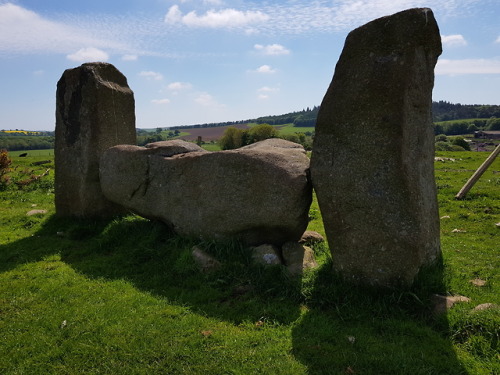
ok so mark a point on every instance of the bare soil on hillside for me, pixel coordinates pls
(208, 134)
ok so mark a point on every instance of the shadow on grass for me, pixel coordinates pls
(155, 260)
(336, 328)
(351, 330)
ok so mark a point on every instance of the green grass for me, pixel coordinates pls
(33, 153)
(211, 146)
(124, 297)
(290, 129)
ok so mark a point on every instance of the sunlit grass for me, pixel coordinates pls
(124, 296)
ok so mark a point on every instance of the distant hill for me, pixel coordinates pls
(441, 111)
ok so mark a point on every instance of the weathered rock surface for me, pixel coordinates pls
(298, 257)
(259, 193)
(94, 111)
(372, 161)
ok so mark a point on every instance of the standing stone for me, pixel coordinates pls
(372, 161)
(94, 111)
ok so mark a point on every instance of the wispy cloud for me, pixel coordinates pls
(160, 101)
(151, 75)
(179, 86)
(455, 40)
(468, 66)
(207, 100)
(89, 54)
(213, 2)
(25, 31)
(265, 91)
(272, 49)
(129, 57)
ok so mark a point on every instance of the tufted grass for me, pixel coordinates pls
(123, 296)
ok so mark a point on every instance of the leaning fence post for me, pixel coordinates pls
(477, 174)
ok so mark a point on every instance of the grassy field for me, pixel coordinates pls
(124, 297)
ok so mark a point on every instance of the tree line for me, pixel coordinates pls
(466, 126)
(445, 111)
(27, 142)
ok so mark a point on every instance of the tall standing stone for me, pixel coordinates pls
(372, 161)
(94, 111)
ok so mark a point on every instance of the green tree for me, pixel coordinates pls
(493, 124)
(5, 162)
(232, 138)
(459, 141)
(261, 132)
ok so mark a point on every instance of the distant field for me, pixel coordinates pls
(290, 129)
(207, 134)
(49, 152)
(215, 133)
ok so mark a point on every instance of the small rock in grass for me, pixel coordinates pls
(36, 212)
(298, 257)
(458, 231)
(497, 225)
(311, 237)
(206, 263)
(478, 282)
(266, 255)
(485, 306)
(445, 217)
(444, 303)
(206, 333)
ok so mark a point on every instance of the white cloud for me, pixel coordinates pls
(179, 86)
(129, 57)
(174, 15)
(268, 89)
(272, 49)
(263, 97)
(455, 40)
(468, 66)
(265, 69)
(89, 54)
(160, 101)
(498, 40)
(225, 18)
(151, 75)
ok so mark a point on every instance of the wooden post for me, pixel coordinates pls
(477, 174)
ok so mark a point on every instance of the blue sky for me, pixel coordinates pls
(198, 61)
